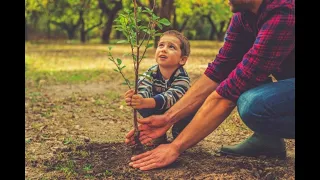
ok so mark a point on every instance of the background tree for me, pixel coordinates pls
(91, 16)
(110, 9)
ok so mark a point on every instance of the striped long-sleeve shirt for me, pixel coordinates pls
(165, 93)
(256, 46)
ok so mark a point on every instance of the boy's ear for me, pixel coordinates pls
(183, 60)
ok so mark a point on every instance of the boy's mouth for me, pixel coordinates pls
(163, 57)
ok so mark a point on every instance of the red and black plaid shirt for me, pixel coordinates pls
(256, 46)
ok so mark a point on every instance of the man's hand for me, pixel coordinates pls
(155, 120)
(149, 129)
(161, 156)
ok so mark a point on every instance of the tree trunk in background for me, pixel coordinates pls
(82, 28)
(111, 14)
(175, 24)
(221, 33)
(107, 30)
(25, 30)
(184, 24)
(49, 30)
(70, 28)
(165, 11)
(71, 34)
(118, 34)
(213, 28)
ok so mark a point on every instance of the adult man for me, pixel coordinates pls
(259, 43)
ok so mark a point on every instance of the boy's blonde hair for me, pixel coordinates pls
(184, 42)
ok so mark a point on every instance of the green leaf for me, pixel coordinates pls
(126, 54)
(154, 17)
(145, 11)
(116, 70)
(164, 21)
(122, 41)
(149, 45)
(159, 25)
(146, 31)
(158, 34)
(119, 61)
(122, 67)
(119, 29)
(110, 47)
(127, 10)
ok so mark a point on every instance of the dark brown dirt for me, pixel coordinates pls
(110, 161)
(79, 135)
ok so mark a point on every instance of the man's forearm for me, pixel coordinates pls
(192, 100)
(211, 114)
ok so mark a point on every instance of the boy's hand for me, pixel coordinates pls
(134, 100)
(128, 96)
(137, 101)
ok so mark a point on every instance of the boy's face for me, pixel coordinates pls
(168, 53)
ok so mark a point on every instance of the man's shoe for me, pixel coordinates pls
(257, 145)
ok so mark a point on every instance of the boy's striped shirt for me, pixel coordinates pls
(166, 94)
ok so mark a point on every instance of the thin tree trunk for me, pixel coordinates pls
(111, 14)
(221, 32)
(213, 27)
(48, 30)
(25, 30)
(82, 28)
(165, 12)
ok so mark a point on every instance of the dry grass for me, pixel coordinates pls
(76, 63)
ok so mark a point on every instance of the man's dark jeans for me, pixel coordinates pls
(270, 109)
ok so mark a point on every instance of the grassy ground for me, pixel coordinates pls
(76, 117)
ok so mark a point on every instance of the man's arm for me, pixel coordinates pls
(214, 110)
(211, 114)
(274, 43)
(192, 100)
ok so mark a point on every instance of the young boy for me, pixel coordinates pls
(168, 83)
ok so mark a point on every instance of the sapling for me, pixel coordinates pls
(138, 32)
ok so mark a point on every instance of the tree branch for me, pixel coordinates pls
(63, 25)
(103, 7)
(140, 4)
(94, 26)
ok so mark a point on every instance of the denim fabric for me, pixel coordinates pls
(270, 108)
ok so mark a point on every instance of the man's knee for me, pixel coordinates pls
(248, 106)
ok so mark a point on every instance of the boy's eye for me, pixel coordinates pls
(171, 46)
(160, 45)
